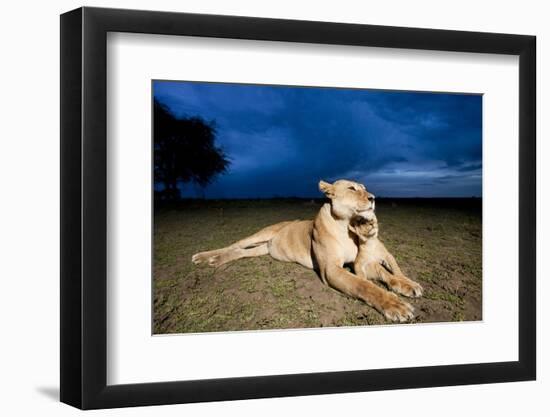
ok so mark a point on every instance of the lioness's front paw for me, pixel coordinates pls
(407, 287)
(395, 309)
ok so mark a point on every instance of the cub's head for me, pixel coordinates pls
(364, 229)
(349, 199)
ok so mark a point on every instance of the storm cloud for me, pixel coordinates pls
(282, 140)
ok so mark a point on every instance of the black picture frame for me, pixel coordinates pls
(84, 207)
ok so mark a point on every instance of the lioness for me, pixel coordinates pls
(324, 244)
(373, 260)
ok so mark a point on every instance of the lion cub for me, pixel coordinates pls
(375, 262)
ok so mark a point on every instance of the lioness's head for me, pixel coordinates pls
(349, 199)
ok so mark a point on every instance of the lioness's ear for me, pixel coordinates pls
(326, 188)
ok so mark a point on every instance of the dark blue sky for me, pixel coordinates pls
(282, 140)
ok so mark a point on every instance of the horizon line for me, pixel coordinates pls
(322, 198)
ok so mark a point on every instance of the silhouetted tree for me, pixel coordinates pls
(185, 151)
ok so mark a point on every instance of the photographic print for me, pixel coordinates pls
(290, 207)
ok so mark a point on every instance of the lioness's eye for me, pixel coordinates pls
(351, 188)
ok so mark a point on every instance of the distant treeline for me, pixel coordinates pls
(443, 202)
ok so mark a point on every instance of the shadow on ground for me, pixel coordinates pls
(49, 392)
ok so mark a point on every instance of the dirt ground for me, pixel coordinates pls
(436, 242)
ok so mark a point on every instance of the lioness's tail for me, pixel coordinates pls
(254, 245)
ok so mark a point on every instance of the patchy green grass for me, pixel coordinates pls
(436, 242)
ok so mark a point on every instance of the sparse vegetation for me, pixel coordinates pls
(436, 242)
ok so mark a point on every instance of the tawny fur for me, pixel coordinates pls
(324, 244)
(373, 260)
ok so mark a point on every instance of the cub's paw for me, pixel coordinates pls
(407, 287)
(395, 309)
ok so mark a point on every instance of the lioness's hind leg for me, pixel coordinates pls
(260, 237)
(200, 257)
(237, 253)
(232, 252)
